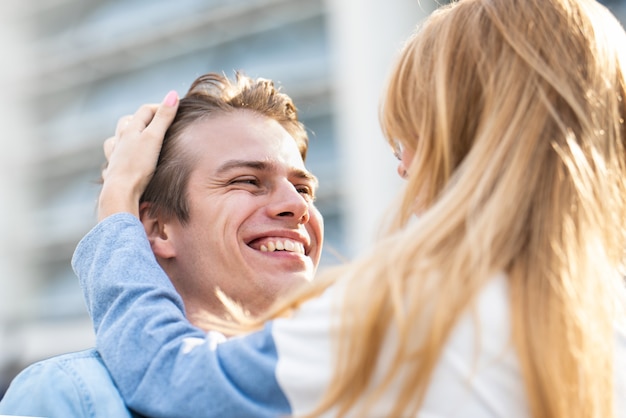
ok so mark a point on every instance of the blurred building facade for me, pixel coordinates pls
(76, 66)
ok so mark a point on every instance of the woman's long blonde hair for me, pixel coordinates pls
(515, 112)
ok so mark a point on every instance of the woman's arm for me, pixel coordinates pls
(163, 366)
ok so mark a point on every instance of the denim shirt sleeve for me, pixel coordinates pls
(162, 365)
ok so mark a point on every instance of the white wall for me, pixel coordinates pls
(366, 36)
(15, 265)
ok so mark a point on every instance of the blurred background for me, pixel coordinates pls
(71, 68)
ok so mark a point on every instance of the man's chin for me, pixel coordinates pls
(284, 283)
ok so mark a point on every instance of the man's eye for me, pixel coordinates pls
(246, 180)
(307, 191)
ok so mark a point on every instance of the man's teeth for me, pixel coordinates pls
(286, 245)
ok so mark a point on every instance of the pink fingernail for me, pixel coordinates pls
(171, 98)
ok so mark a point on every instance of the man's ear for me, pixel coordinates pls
(157, 231)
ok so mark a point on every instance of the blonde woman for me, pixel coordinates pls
(505, 298)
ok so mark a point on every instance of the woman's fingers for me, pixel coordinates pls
(122, 123)
(163, 117)
(109, 145)
(132, 155)
(139, 120)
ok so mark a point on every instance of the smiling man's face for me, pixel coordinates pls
(253, 230)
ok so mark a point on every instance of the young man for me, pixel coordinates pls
(230, 207)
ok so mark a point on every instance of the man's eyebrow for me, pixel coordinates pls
(307, 176)
(264, 166)
(233, 164)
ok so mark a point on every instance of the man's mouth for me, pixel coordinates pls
(282, 245)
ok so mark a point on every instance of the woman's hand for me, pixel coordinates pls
(132, 155)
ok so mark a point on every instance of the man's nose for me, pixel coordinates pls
(288, 202)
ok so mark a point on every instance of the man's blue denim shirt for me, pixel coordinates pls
(70, 385)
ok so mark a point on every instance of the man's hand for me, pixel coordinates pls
(132, 155)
